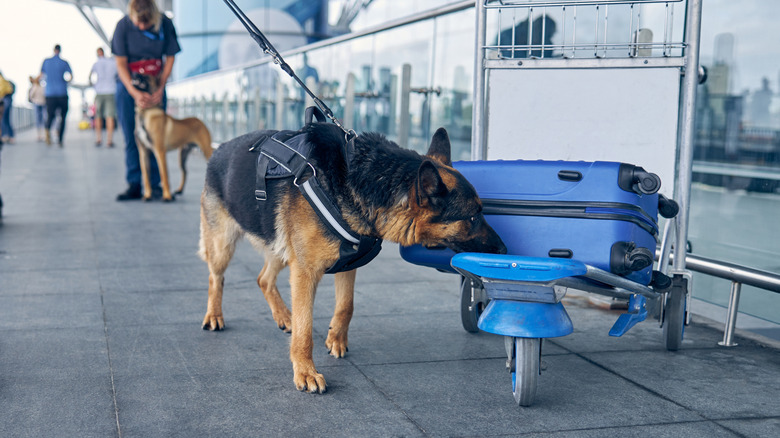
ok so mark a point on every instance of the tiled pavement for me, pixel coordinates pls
(100, 336)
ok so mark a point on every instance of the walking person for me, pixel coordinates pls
(144, 43)
(37, 97)
(5, 88)
(105, 101)
(57, 73)
(7, 128)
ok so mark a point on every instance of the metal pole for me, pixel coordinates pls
(478, 147)
(405, 118)
(258, 120)
(349, 102)
(690, 81)
(279, 116)
(731, 322)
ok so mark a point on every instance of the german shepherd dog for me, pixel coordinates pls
(159, 133)
(384, 191)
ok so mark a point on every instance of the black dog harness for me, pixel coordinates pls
(284, 154)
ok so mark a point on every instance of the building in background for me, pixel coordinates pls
(212, 38)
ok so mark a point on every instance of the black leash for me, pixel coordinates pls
(269, 49)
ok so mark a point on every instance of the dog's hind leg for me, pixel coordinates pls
(218, 236)
(184, 151)
(342, 314)
(162, 166)
(267, 282)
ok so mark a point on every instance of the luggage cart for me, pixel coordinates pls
(560, 95)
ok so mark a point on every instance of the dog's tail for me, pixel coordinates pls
(204, 141)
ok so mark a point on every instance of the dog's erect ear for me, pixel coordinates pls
(440, 147)
(429, 184)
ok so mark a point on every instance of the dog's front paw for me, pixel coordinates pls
(310, 381)
(337, 344)
(213, 322)
(283, 319)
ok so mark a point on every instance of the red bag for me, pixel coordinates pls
(150, 67)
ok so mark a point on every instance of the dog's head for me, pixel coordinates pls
(450, 212)
(145, 83)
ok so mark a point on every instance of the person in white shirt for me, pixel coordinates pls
(105, 101)
(36, 95)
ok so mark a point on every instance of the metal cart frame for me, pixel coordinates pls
(522, 350)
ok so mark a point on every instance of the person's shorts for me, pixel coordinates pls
(105, 106)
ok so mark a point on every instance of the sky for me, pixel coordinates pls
(30, 30)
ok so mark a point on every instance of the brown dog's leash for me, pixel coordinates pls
(269, 49)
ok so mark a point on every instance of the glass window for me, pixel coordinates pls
(409, 46)
(382, 11)
(735, 198)
(453, 79)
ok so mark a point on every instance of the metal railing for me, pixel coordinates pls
(738, 275)
(512, 42)
(22, 118)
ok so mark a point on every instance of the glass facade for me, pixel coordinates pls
(409, 80)
(212, 38)
(735, 200)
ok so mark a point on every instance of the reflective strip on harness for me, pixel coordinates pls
(313, 197)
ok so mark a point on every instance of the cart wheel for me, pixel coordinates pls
(472, 303)
(526, 370)
(674, 314)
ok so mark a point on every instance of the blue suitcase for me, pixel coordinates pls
(603, 214)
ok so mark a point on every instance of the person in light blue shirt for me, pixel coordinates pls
(104, 71)
(57, 73)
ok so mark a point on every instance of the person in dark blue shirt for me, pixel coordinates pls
(144, 42)
(57, 73)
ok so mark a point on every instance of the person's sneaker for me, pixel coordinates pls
(132, 192)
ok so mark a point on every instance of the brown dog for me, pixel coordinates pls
(382, 191)
(158, 132)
